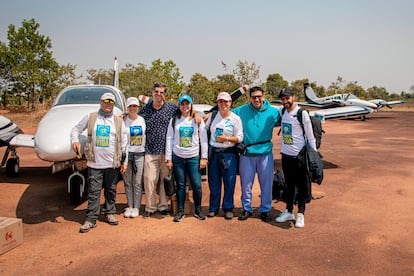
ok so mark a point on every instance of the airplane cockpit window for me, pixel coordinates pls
(84, 95)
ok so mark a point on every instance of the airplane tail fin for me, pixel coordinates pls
(116, 76)
(309, 94)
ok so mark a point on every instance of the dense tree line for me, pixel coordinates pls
(29, 75)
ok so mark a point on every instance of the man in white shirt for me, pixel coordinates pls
(105, 152)
(291, 145)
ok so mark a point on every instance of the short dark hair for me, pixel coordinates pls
(160, 84)
(254, 89)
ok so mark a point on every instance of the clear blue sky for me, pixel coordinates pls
(368, 41)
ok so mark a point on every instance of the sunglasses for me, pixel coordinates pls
(256, 97)
(109, 101)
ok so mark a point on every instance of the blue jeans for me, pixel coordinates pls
(99, 179)
(216, 174)
(263, 166)
(187, 167)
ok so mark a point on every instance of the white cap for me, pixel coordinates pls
(132, 101)
(224, 96)
(108, 96)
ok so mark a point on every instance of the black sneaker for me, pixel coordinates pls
(165, 213)
(265, 216)
(199, 215)
(147, 214)
(179, 216)
(244, 215)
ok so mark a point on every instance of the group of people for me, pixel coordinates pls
(162, 137)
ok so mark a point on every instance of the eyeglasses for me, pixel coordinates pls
(158, 92)
(256, 97)
(109, 102)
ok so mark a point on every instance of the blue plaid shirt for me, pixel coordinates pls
(157, 124)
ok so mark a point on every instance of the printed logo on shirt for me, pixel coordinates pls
(136, 135)
(287, 134)
(219, 132)
(102, 136)
(186, 136)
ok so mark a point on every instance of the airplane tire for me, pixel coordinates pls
(12, 167)
(74, 193)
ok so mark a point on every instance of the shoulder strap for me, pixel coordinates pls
(299, 116)
(280, 129)
(91, 123)
(173, 122)
(212, 116)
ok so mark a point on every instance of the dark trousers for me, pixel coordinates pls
(297, 182)
(99, 179)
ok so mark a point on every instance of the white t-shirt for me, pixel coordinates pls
(136, 130)
(292, 140)
(230, 126)
(103, 139)
(185, 140)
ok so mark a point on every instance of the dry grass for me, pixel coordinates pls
(24, 117)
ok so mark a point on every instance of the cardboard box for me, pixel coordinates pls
(11, 233)
(174, 204)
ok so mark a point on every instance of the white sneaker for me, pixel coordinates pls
(300, 221)
(134, 213)
(127, 213)
(285, 216)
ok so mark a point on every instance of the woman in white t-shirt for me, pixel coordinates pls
(186, 153)
(136, 150)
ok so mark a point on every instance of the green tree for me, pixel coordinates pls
(275, 83)
(377, 93)
(28, 67)
(200, 89)
(246, 73)
(355, 89)
(227, 83)
(168, 73)
(33, 67)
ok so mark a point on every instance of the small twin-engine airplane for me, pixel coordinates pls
(341, 105)
(343, 100)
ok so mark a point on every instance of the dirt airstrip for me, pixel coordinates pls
(363, 224)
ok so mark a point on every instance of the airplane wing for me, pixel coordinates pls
(309, 104)
(22, 140)
(396, 102)
(342, 112)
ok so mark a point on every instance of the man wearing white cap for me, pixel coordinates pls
(136, 150)
(105, 153)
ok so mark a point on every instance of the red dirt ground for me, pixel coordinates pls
(363, 224)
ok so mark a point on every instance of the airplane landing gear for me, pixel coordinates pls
(76, 187)
(12, 167)
(12, 164)
(363, 118)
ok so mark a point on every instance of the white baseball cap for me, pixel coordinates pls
(224, 96)
(132, 101)
(108, 96)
